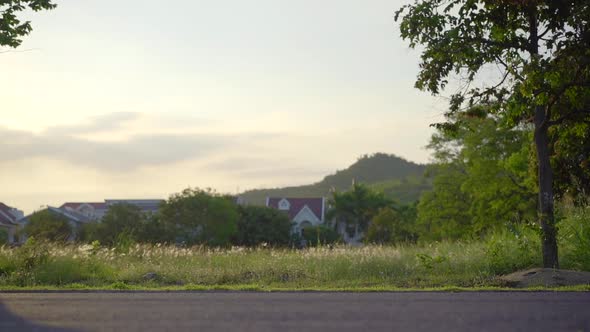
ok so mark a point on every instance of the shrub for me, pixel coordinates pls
(154, 230)
(46, 225)
(574, 231)
(391, 227)
(202, 216)
(122, 222)
(28, 257)
(320, 235)
(124, 225)
(3, 236)
(514, 248)
(258, 225)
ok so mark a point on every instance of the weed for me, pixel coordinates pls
(441, 264)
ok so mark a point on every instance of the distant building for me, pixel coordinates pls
(93, 211)
(96, 211)
(306, 212)
(9, 218)
(149, 206)
(303, 212)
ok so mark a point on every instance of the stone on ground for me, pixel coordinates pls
(546, 278)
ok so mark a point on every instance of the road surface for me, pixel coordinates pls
(235, 311)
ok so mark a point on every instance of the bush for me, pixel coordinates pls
(201, 217)
(122, 222)
(154, 230)
(258, 225)
(124, 225)
(3, 236)
(514, 248)
(46, 225)
(574, 231)
(27, 259)
(321, 235)
(392, 227)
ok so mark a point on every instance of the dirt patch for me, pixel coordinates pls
(546, 278)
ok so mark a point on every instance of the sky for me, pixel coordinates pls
(143, 98)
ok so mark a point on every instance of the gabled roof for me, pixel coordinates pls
(74, 206)
(6, 216)
(68, 214)
(71, 215)
(315, 204)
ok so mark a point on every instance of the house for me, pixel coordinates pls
(303, 212)
(350, 235)
(9, 218)
(306, 212)
(96, 211)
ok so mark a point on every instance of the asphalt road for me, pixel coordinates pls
(233, 311)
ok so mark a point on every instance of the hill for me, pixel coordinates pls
(398, 178)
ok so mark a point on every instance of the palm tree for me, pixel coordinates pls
(356, 207)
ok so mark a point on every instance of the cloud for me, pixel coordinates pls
(97, 124)
(120, 122)
(126, 154)
(269, 169)
(127, 141)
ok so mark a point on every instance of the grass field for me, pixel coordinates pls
(474, 264)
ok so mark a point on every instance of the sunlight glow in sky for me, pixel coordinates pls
(143, 98)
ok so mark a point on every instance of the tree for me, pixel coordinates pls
(543, 49)
(571, 162)
(201, 216)
(11, 27)
(49, 226)
(356, 207)
(155, 230)
(481, 181)
(257, 225)
(443, 213)
(393, 226)
(121, 223)
(126, 223)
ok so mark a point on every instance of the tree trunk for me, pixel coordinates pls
(545, 173)
(545, 176)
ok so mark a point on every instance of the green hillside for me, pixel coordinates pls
(398, 178)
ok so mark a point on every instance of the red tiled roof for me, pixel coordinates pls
(316, 205)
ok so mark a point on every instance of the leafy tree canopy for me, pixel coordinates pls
(201, 216)
(542, 48)
(481, 180)
(12, 29)
(49, 226)
(258, 225)
(393, 226)
(357, 206)
(121, 223)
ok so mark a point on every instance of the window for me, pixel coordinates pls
(284, 204)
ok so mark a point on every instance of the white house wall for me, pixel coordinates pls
(306, 215)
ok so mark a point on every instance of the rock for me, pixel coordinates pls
(546, 278)
(151, 276)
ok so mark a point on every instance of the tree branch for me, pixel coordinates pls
(567, 117)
